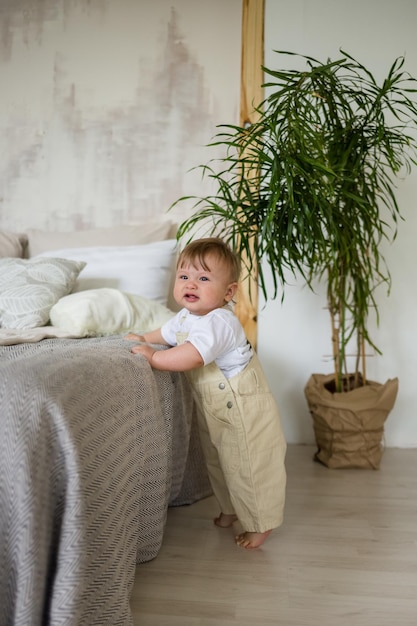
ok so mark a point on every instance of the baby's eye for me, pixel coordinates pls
(204, 278)
(183, 277)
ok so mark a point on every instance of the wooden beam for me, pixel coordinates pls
(251, 95)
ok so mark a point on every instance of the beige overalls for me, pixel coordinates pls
(243, 443)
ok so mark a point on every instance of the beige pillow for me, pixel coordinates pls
(107, 311)
(12, 244)
(126, 235)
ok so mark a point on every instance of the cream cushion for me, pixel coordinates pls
(107, 311)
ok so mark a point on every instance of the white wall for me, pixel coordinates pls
(294, 338)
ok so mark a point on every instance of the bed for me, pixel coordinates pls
(94, 444)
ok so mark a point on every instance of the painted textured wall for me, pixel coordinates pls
(106, 104)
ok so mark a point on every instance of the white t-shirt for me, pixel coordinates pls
(218, 336)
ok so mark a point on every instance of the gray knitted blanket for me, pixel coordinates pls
(94, 446)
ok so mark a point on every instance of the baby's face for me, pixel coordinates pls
(202, 290)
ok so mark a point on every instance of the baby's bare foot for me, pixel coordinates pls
(225, 520)
(251, 540)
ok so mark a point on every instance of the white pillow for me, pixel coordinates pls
(29, 288)
(107, 312)
(143, 270)
(125, 235)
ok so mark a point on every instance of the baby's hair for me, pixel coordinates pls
(197, 252)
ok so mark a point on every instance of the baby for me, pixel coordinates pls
(239, 423)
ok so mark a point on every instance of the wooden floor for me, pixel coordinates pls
(346, 555)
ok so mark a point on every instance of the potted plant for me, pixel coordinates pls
(309, 188)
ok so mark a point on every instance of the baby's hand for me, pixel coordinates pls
(134, 337)
(146, 351)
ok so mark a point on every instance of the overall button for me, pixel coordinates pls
(222, 386)
(229, 404)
